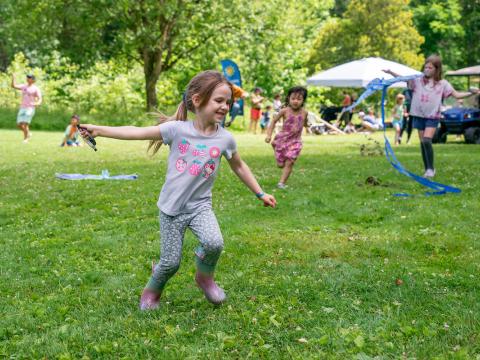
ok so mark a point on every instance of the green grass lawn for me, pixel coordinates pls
(313, 278)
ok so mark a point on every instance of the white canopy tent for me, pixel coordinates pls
(359, 73)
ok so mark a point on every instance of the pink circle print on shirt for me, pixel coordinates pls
(214, 152)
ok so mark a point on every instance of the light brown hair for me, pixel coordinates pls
(399, 99)
(436, 61)
(203, 85)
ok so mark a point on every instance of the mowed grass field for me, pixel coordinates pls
(340, 269)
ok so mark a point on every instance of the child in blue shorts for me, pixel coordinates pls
(428, 93)
(265, 118)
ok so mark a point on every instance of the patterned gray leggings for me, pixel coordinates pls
(204, 226)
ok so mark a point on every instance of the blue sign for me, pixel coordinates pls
(232, 73)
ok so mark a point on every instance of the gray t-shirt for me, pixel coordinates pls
(193, 164)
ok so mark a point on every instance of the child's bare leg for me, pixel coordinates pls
(24, 128)
(20, 126)
(397, 135)
(287, 170)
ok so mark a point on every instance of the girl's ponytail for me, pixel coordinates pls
(182, 110)
(202, 84)
(180, 115)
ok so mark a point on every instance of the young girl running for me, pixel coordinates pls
(31, 98)
(428, 93)
(288, 142)
(186, 197)
(397, 117)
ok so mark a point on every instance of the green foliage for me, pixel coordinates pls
(273, 48)
(389, 34)
(441, 25)
(77, 29)
(471, 23)
(113, 56)
(314, 278)
(451, 28)
(107, 91)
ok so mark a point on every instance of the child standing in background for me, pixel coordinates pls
(265, 118)
(397, 117)
(256, 110)
(277, 104)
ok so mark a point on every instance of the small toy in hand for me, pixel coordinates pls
(89, 140)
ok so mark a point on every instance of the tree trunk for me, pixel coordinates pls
(3, 58)
(151, 91)
(152, 73)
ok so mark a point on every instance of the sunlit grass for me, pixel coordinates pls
(318, 277)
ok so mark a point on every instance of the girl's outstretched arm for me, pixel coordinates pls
(122, 132)
(271, 126)
(463, 94)
(394, 74)
(245, 174)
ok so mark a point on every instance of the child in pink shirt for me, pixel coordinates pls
(428, 93)
(31, 98)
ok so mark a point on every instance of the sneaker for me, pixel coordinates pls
(25, 141)
(429, 173)
(149, 300)
(281, 186)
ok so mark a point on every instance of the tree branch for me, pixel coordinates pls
(202, 42)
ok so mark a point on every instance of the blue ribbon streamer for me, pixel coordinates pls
(381, 84)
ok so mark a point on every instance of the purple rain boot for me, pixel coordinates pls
(212, 291)
(149, 300)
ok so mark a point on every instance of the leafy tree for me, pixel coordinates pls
(76, 28)
(272, 49)
(471, 24)
(161, 34)
(157, 34)
(440, 22)
(391, 35)
(339, 8)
